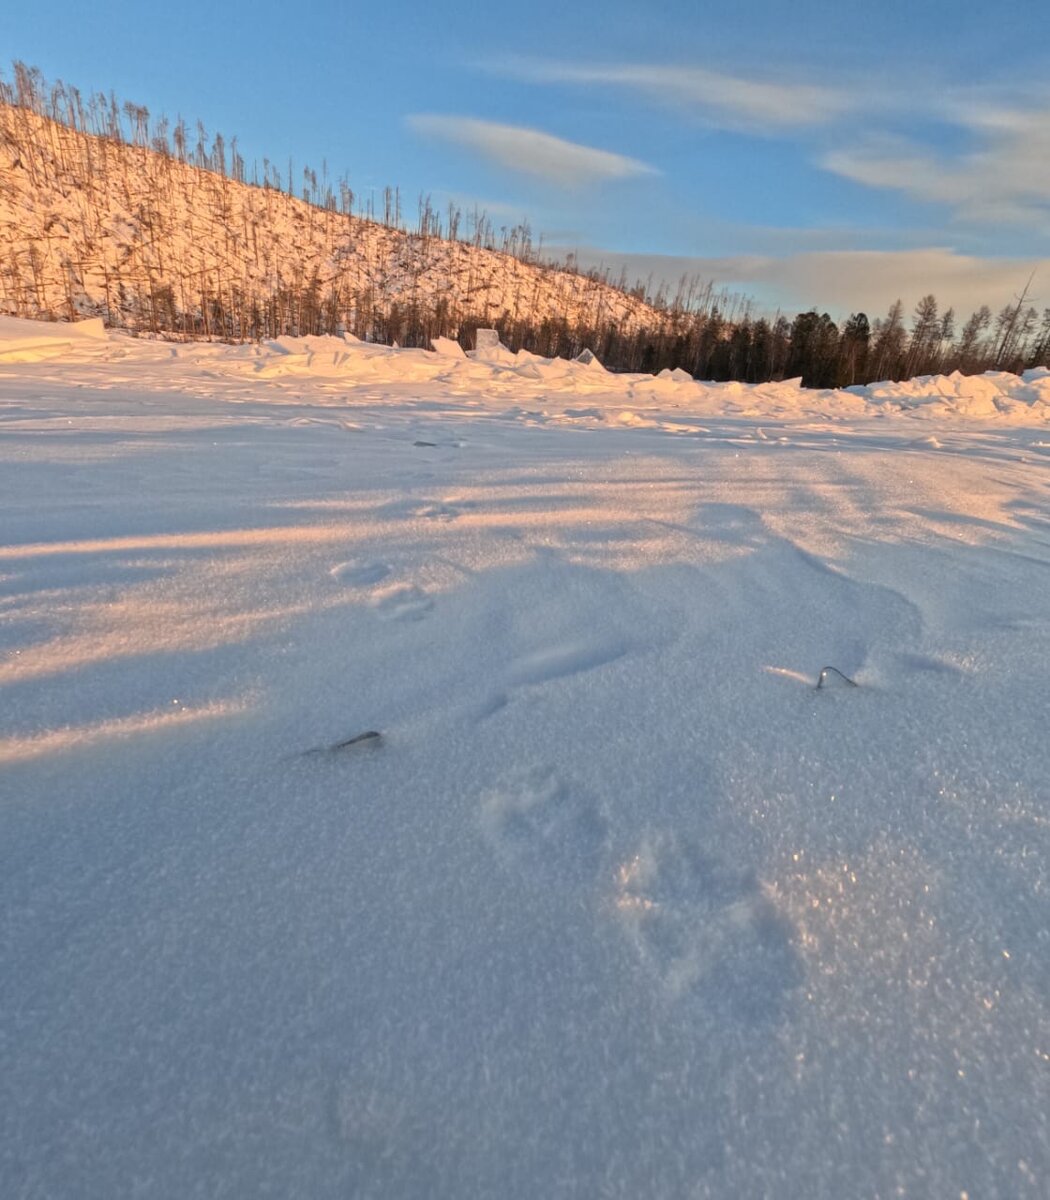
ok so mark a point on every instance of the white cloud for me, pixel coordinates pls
(530, 150)
(1005, 179)
(843, 281)
(999, 176)
(731, 101)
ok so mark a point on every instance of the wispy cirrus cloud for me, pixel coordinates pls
(726, 100)
(530, 151)
(987, 157)
(1004, 178)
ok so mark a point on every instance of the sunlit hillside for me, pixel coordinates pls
(96, 225)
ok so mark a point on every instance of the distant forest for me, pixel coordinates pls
(711, 333)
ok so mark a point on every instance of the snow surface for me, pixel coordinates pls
(619, 904)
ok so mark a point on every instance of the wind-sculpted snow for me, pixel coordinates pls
(995, 394)
(345, 372)
(414, 783)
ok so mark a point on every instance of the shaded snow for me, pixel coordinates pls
(619, 904)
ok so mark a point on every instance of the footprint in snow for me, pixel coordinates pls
(359, 574)
(403, 602)
(437, 511)
(427, 510)
(543, 828)
(706, 931)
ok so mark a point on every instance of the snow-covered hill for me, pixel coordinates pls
(95, 226)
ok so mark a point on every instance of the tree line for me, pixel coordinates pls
(822, 353)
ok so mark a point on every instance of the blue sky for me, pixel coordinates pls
(836, 155)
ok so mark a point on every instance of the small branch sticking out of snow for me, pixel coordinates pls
(834, 671)
(370, 735)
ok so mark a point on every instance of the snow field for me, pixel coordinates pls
(620, 904)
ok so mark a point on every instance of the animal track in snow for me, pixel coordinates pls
(537, 824)
(437, 511)
(706, 931)
(360, 574)
(427, 510)
(403, 602)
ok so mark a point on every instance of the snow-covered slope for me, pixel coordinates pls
(619, 903)
(89, 226)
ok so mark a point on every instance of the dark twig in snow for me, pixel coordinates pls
(824, 674)
(370, 735)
